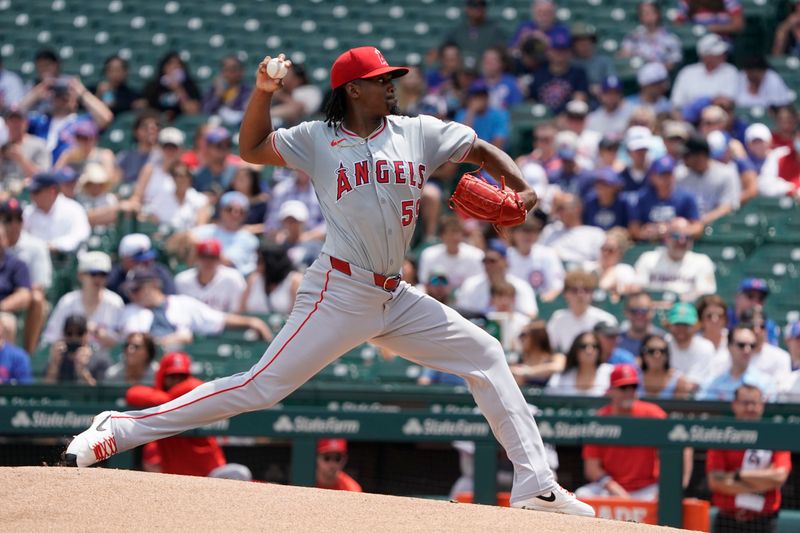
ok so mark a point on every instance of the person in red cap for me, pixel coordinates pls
(622, 471)
(191, 456)
(331, 458)
(368, 167)
(216, 285)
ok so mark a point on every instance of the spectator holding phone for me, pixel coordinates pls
(72, 359)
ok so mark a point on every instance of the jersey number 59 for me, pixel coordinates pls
(409, 209)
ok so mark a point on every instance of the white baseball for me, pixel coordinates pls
(276, 69)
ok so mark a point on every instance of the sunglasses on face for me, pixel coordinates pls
(98, 274)
(134, 345)
(491, 259)
(331, 457)
(744, 345)
(587, 345)
(234, 210)
(638, 310)
(754, 295)
(679, 237)
(655, 351)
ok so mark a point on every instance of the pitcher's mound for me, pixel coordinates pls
(99, 499)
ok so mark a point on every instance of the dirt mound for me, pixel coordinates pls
(97, 499)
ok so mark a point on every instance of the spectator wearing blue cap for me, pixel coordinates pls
(136, 250)
(59, 221)
(714, 186)
(752, 293)
(614, 112)
(84, 149)
(572, 175)
(474, 296)
(239, 247)
(603, 206)
(67, 181)
(558, 81)
(217, 172)
(658, 203)
(490, 123)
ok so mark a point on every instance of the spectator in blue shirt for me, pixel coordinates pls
(570, 176)
(752, 293)
(722, 387)
(217, 173)
(15, 365)
(603, 206)
(503, 91)
(660, 202)
(558, 81)
(15, 285)
(490, 124)
(543, 24)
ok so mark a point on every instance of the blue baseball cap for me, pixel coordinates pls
(794, 331)
(478, 87)
(611, 83)
(234, 197)
(663, 165)
(608, 176)
(754, 284)
(66, 175)
(560, 39)
(496, 245)
(43, 180)
(217, 135)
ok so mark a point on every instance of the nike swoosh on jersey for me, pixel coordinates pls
(336, 141)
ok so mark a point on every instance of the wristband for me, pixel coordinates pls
(737, 476)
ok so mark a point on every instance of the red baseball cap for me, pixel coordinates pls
(176, 363)
(624, 375)
(332, 446)
(359, 63)
(209, 248)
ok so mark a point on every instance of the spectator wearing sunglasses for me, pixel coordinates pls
(585, 373)
(72, 359)
(659, 379)
(771, 360)
(331, 459)
(622, 471)
(742, 345)
(675, 267)
(101, 307)
(638, 324)
(138, 364)
(753, 292)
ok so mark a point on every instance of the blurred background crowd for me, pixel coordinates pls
(665, 152)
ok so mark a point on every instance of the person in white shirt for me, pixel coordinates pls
(474, 295)
(712, 76)
(614, 112)
(692, 355)
(454, 256)
(580, 315)
(216, 285)
(501, 310)
(11, 87)
(59, 221)
(585, 374)
(573, 241)
(182, 206)
(272, 288)
(790, 386)
(769, 359)
(537, 264)
(675, 267)
(760, 86)
(101, 307)
(174, 320)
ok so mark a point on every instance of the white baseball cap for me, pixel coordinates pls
(651, 73)
(711, 44)
(94, 262)
(134, 244)
(94, 173)
(171, 136)
(294, 209)
(757, 132)
(638, 138)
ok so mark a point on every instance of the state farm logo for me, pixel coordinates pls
(450, 428)
(714, 434)
(317, 424)
(570, 430)
(50, 419)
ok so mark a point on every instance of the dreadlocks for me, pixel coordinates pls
(334, 109)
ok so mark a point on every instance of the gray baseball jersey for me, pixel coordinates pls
(369, 189)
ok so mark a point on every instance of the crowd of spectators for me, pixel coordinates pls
(614, 166)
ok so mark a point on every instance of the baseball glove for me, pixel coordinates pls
(475, 197)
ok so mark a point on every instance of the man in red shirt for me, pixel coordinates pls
(331, 458)
(622, 471)
(191, 456)
(746, 484)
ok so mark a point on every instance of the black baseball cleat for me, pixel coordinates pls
(69, 459)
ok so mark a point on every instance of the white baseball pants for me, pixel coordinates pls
(334, 313)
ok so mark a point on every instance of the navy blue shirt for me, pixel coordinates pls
(15, 365)
(648, 207)
(630, 183)
(605, 217)
(578, 183)
(555, 91)
(13, 275)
